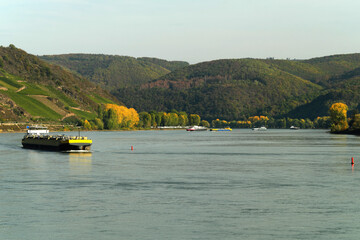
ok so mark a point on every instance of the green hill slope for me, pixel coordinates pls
(32, 90)
(112, 72)
(319, 70)
(227, 89)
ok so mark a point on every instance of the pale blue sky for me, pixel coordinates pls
(189, 30)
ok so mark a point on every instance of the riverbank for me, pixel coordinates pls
(349, 132)
(21, 128)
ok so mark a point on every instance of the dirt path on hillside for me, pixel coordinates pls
(76, 108)
(20, 89)
(68, 115)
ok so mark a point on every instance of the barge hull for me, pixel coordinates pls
(56, 145)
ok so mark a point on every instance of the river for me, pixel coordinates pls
(278, 184)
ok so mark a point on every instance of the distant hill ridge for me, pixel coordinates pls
(112, 71)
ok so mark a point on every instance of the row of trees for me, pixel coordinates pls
(258, 121)
(174, 118)
(113, 117)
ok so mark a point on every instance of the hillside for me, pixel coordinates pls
(33, 90)
(112, 72)
(319, 70)
(238, 88)
(227, 89)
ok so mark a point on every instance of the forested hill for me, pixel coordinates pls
(34, 90)
(238, 88)
(319, 70)
(112, 72)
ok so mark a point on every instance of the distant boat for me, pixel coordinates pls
(196, 128)
(294, 128)
(260, 129)
(221, 129)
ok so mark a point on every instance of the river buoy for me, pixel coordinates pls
(132, 148)
(352, 161)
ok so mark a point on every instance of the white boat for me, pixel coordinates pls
(260, 129)
(294, 128)
(196, 128)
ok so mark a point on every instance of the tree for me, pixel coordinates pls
(356, 122)
(87, 125)
(145, 120)
(174, 119)
(99, 123)
(183, 119)
(338, 115)
(194, 119)
(205, 123)
(116, 117)
(110, 119)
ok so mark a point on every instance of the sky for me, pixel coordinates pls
(186, 30)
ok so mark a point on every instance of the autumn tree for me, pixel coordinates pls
(87, 125)
(338, 115)
(174, 119)
(205, 123)
(116, 117)
(194, 119)
(183, 119)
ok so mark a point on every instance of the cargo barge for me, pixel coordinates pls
(39, 138)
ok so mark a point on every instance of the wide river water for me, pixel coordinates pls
(278, 184)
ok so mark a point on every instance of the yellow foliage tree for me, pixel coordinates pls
(123, 116)
(338, 114)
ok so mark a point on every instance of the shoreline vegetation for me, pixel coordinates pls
(112, 117)
(341, 124)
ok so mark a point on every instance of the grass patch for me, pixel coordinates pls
(62, 97)
(4, 83)
(32, 89)
(83, 114)
(10, 82)
(98, 99)
(32, 106)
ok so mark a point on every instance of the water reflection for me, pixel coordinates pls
(80, 163)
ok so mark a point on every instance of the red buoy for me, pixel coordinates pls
(132, 148)
(352, 161)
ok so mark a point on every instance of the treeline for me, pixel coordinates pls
(282, 123)
(111, 71)
(115, 117)
(155, 119)
(174, 118)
